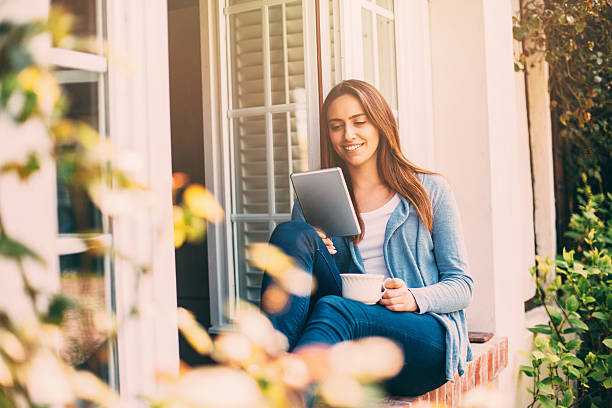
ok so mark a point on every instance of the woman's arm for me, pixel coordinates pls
(454, 289)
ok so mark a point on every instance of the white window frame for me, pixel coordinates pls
(214, 34)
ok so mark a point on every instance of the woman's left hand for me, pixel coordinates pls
(397, 297)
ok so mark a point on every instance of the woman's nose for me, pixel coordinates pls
(349, 133)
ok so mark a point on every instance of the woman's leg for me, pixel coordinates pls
(300, 240)
(422, 338)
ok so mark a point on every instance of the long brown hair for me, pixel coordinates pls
(397, 172)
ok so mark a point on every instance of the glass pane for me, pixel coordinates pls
(249, 277)
(368, 46)
(84, 12)
(76, 213)
(234, 2)
(86, 343)
(81, 89)
(386, 59)
(250, 165)
(246, 55)
(388, 4)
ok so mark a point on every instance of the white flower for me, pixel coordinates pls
(14, 105)
(17, 12)
(19, 140)
(219, 387)
(47, 382)
(39, 48)
(120, 201)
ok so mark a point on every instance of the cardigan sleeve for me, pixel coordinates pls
(453, 291)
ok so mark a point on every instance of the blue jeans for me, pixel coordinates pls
(326, 317)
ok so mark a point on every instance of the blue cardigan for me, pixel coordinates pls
(433, 265)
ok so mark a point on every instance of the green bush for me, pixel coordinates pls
(571, 364)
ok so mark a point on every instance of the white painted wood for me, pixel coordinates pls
(212, 35)
(77, 60)
(540, 130)
(139, 108)
(69, 244)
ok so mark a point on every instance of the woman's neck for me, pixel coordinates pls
(370, 190)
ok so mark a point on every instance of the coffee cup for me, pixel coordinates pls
(363, 287)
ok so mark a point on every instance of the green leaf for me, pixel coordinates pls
(599, 315)
(573, 360)
(58, 306)
(527, 370)
(541, 330)
(546, 402)
(572, 344)
(608, 382)
(574, 371)
(578, 323)
(545, 388)
(608, 342)
(9, 248)
(572, 303)
(568, 398)
(555, 316)
(538, 354)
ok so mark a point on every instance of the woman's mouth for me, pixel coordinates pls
(352, 147)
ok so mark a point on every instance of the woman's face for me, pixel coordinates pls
(354, 138)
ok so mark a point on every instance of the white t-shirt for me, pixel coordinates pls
(371, 247)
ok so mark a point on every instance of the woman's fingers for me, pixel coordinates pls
(391, 301)
(328, 242)
(393, 283)
(391, 293)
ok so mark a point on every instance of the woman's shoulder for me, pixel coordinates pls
(434, 183)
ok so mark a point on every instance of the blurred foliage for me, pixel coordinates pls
(571, 363)
(575, 38)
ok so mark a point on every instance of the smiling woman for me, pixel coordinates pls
(411, 233)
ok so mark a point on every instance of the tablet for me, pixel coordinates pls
(326, 202)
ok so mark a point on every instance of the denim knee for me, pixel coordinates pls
(337, 310)
(294, 234)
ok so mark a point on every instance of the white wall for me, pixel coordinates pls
(482, 147)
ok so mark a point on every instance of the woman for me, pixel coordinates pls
(411, 232)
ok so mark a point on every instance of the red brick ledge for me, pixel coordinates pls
(490, 359)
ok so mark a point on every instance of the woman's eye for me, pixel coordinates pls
(335, 127)
(361, 122)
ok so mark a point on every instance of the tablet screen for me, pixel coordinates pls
(326, 202)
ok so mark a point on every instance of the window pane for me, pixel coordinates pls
(76, 213)
(84, 12)
(246, 53)
(86, 343)
(386, 59)
(368, 46)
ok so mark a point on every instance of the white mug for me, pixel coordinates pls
(363, 287)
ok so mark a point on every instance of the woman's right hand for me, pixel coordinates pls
(328, 242)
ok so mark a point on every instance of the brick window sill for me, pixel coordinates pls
(490, 358)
